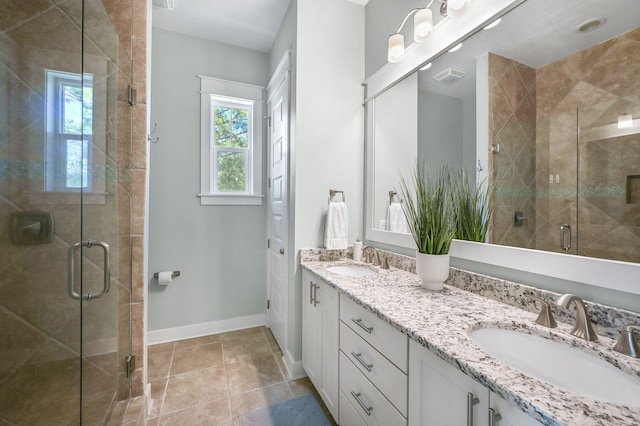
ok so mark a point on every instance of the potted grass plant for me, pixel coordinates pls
(429, 208)
(474, 208)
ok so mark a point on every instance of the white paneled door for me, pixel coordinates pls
(278, 251)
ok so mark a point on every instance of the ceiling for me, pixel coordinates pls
(252, 24)
(536, 33)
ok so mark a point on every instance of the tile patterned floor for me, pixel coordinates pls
(213, 380)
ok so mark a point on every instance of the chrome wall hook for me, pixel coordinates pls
(149, 136)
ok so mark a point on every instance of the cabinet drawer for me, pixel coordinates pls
(348, 414)
(386, 339)
(365, 397)
(380, 371)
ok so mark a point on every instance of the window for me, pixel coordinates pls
(232, 122)
(231, 143)
(69, 99)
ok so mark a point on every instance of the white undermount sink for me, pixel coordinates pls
(557, 363)
(352, 270)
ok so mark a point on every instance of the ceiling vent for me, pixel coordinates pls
(449, 75)
(164, 4)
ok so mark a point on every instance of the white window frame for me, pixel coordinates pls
(215, 91)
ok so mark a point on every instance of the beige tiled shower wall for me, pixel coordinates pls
(129, 17)
(39, 320)
(579, 99)
(537, 115)
(512, 125)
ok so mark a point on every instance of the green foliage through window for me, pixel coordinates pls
(231, 128)
(78, 109)
(231, 171)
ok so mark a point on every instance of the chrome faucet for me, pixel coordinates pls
(371, 255)
(583, 328)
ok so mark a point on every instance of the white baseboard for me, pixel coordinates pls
(204, 329)
(294, 368)
(148, 399)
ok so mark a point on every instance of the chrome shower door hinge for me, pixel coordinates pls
(268, 304)
(132, 95)
(130, 364)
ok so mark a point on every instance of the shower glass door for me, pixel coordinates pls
(556, 182)
(64, 214)
(609, 179)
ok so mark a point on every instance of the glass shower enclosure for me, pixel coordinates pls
(590, 204)
(65, 189)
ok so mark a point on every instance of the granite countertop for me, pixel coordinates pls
(440, 321)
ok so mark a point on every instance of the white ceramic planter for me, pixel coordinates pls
(433, 270)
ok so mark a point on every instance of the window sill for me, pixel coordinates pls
(230, 200)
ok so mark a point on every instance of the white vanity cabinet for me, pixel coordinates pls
(373, 369)
(320, 334)
(510, 414)
(439, 394)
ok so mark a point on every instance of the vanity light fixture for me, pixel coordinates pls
(625, 121)
(396, 48)
(493, 24)
(455, 48)
(422, 26)
(456, 7)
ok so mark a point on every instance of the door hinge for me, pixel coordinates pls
(269, 183)
(268, 243)
(269, 121)
(132, 95)
(268, 304)
(130, 364)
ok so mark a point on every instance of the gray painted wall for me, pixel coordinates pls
(440, 136)
(220, 250)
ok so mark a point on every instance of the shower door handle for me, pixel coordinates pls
(106, 286)
(564, 243)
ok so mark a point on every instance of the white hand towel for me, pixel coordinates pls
(397, 221)
(337, 230)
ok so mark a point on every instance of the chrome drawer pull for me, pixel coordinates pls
(494, 417)
(311, 286)
(315, 295)
(362, 404)
(361, 361)
(471, 401)
(358, 322)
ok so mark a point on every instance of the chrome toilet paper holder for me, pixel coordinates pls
(173, 274)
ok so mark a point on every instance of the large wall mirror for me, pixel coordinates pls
(547, 104)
